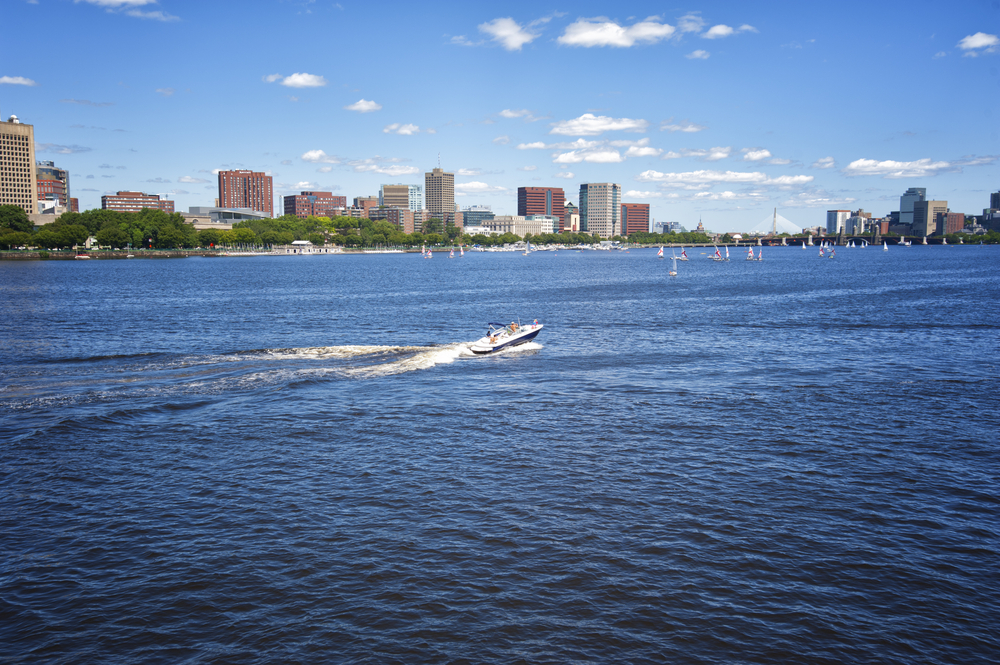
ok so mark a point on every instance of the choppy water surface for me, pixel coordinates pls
(297, 459)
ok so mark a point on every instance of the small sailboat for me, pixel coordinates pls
(727, 252)
(822, 251)
(659, 254)
(684, 255)
(885, 246)
(749, 253)
(452, 254)
(673, 271)
(717, 256)
(760, 250)
(461, 252)
(944, 241)
(833, 253)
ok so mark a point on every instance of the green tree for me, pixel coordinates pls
(13, 239)
(316, 238)
(14, 218)
(433, 225)
(112, 237)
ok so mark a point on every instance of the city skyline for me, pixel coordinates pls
(722, 112)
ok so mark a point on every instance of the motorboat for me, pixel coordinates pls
(499, 336)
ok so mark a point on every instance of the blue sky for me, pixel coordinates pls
(717, 110)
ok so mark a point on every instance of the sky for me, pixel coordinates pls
(716, 111)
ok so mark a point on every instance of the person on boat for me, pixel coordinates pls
(513, 327)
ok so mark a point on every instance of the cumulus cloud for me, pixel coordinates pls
(589, 124)
(823, 163)
(271, 78)
(604, 32)
(565, 174)
(364, 106)
(707, 155)
(16, 80)
(919, 168)
(404, 130)
(708, 177)
(469, 172)
(297, 80)
(377, 164)
(189, 180)
(507, 33)
(817, 199)
(476, 187)
(639, 194)
(755, 154)
(502, 140)
(644, 151)
(319, 157)
(979, 43)
(698, 55)
(594, 156)
(685, 126)
(717, 31)
(690, 23)
(536, 145)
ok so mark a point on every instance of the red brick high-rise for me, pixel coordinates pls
(246, 189)
(541, 201)
(635, 218)
(317, 204)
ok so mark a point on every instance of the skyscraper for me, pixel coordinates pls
(835, 220)
(635, 218)
(18, 184)
(548, 201)
(995, 201)
(906, 202)
(408, 197)
(925, 216)
(600, 209)
(439, 187)
(246, 189)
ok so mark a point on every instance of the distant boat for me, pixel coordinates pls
(760, 250)
(684, 255)
(82, 256)
(717, 256)
(461, 252)
(452, 254)
(833, 254)
(749, 253)
(822, 251)
(944, 241)
(659, 254)
(673, 271)
(885, 247)
(727, 252)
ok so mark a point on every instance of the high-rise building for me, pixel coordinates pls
(570, 219)
(549, 201)
(925, 216)
(835, 220)
(910, 197)
(439, 188)
(18, 184)
(315, 204)
(995, 201)
(403, 196)
(950, 222)
(135, 202)
(476, 215)
(52, 183)
(246, 189)
(600, 209)
(635, 218)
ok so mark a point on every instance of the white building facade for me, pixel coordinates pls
(600, 209)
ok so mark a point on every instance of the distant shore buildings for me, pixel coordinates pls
(135, 202)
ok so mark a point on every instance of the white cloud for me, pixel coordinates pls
(940, 54)
(431, 131)
(404, 130)
(823, 163)
(717, 31)
(527, 168)
(324, 169)
(364, 106)
(755, 154)
(698, 55)
(728, 196)
(685, 126)
(566, 174)
(306, 186)
(374, 165)
(604, 32)
(817, 199)
(508, 33)
(166, 92)
(507, 113)
(158, 180)
(130, 8)
(637, 194)
(189, 180)
(980, 40)
(154, 16)
(709, 155)
(747, 28)
(469, 172)
(271, 78)
(645, 151)
(589, 124)
(304, 80)
(537, 145)
(476, 187)
(690, 23)
(706, 177)
(16, 80)
(502, 140)
(319, 157)
(671, 155)
(892, 169)
(598, 156)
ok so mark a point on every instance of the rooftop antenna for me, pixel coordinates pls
(439, 160)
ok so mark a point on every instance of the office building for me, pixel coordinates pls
(401, 218)
(907, 201)
(135, 202)
(476, 215)
(995, 201)
(949, 222)
(52, 184)
(246, 189)
(439, 188)
(538, 224)
(314, 204)
(18, 179)
(635, 218)
(836, 220)
(570, 219)
(410, 197)
(548, 201)
(925, 216)
(600, 209)
(366, 203)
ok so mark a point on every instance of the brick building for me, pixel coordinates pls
(135, 202)
(635, 218)
(950, 222)
(252, 190)
(549, 201)
(316, 204)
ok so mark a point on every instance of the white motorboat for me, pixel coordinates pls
(500, 336)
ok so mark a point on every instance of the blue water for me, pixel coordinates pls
(296, 459)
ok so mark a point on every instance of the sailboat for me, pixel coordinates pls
(833, 253)
(527, 249)
(749, 253)
(452, 254)
(673, 271)
(684, 255)
(717, 256)
(727, 252)
(659, 254)
(760, 250)
(461, 252)
(885, 246)
(822, 251)
(944, 241)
